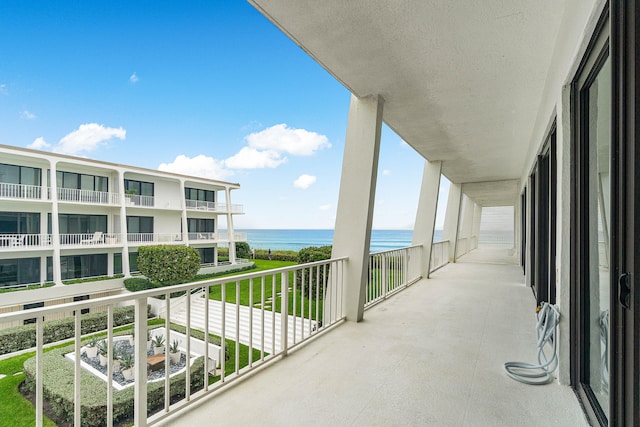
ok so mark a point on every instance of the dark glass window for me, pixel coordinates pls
(19, 223)
(139, 224)
(200, 225)
(78, 266)
(200, 195)
(80, 181)
(19, 271)
(141, 188)
(117, 263)
(25, 175)
(82, 298)
(81, 224)
(29, 307)
(133, 262)
(206, 255)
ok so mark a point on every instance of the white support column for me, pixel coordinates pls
(126, 269)
(357, 195)
(232, 241)
(426, 215)
(55, 223)
(467, 221)
(451, 219)
(477, 216)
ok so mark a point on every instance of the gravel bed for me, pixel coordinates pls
(123, 346)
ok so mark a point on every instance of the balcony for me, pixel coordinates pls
(145, 239)
(12, 242)
(429, 355)
(20, 191)
(197, 205)
(73, 195)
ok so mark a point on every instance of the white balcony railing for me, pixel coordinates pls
(237, 236)
(213, 206)
(462, 247)
(97, 238)
(439, 255)
(20, 191)
(391, 271)
(17, 241)
(201, 236)
(272, 332)
(141, 239)
(137, 200)
(88, 196)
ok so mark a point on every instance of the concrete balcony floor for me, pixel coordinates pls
(431, 355)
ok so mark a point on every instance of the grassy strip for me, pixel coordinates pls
(27, 288)
(15, 409)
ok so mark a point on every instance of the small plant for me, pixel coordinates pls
(93, 343)
(173, 348)
(103, 348)
(130, 192)
(158, 340)
(126, 360)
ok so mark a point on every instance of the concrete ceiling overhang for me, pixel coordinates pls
(462, 80)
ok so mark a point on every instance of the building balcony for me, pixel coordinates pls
(12, 242)
(145, 239)
(20, 191)
(429, 352)
(73, 195)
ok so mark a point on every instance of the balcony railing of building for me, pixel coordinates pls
(223, 236)
(91, 239)
(20, 191)
(391, 271)
(280, 315)
(74, 195)
(17, 241)
(439, 255)
(138, 200)
(199, 205)
(153, 238)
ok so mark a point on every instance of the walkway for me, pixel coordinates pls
(431, 355)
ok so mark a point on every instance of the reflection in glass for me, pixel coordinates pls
(599, 147)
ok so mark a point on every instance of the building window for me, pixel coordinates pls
(29, 307)
(78, 266)
(133, 262)
(24, 175)
(142, 226)
(206, 255)
(199, 195)
(80, 181)
(19, 223)
(19, 271)
(81, 298)
(141, 188)
(80, 224)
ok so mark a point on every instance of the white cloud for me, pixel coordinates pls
(281, 138)
(88, 137)
(325, 207)
(304, 181)
(250, 158)
(27, 115)
(200, 165)
(3, 89)
(386, 172)
(39, 143)
(133, 78)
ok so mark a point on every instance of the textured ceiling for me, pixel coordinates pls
(462, 80)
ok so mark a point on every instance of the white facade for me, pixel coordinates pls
(100, 215)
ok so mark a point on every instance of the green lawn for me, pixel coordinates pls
(263, 265)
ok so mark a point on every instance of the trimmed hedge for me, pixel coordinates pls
(58, 388)
(22, 337)
(168, 264)
(264, 254)
(312, 254)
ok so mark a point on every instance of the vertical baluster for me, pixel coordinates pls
(188, 334)
(77, 392)
(237, 355)
(262, 318)
(295, 314)
(39, 368)
(250, 322)
(167, 367)
(284, 308)
(140, 384)
(207, 368)
(294, 306)
(110, 366)
(273, 315)
(223, 341)
(318, 284)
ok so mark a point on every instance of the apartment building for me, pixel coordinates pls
(99, 215)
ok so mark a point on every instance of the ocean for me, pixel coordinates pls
(381, 240)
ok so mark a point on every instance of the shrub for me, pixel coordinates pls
(58, 388)
(243, 250)
(168, 264)
(310, 277)
(22, 337)
(134, 284)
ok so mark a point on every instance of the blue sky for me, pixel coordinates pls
(202, 87)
